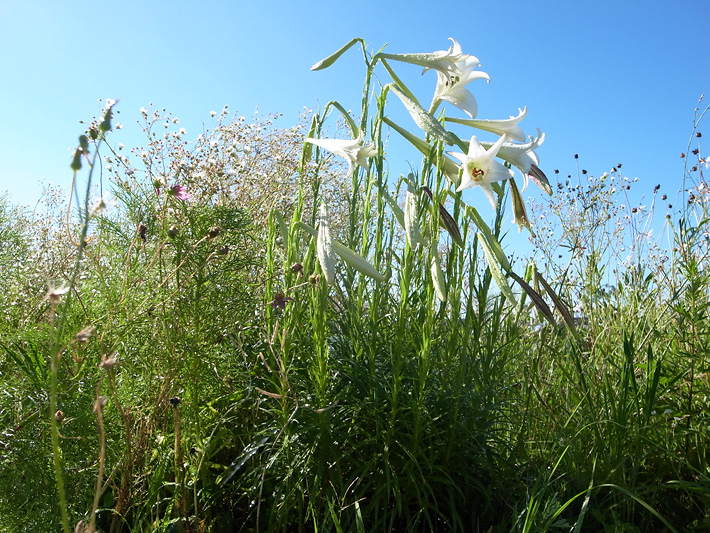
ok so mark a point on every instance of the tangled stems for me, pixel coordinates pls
(56, 348)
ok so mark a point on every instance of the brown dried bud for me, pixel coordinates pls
(107, 363)
(214, 232)
(85, 334)
(297, 267)
(142, 229)
(173, 232)
(99, 404)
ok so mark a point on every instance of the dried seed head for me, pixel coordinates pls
(297, 267)
(85, 334)
(55, 295)
(214, 232)
(173, 232)
(142, 230)
(99, 404)
(107, 363)
(174, 401)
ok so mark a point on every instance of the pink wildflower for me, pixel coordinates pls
(179, 192)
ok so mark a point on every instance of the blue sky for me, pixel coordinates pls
(613, 81)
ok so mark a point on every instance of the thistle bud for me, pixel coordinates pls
(76, 161)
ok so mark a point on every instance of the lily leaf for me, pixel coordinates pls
(308, 147)
(282, 226)
(450, 167)
(354, 130)
(490, 239)
(496, 271)
(446, 220)
(396, 210)
(399, 82)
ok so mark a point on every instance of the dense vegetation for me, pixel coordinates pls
(200, 355)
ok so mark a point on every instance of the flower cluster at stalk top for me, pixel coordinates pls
(478, 163)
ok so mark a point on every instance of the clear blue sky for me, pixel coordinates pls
(614, 81)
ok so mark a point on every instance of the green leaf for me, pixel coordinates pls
(490, 239)
(282, 226)
(496, 271)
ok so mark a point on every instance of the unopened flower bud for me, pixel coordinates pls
(173, 232)
(84, 143)
(105, 124)
(76, 161)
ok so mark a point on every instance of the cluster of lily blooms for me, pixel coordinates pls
(478, 164)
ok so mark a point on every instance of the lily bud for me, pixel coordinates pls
(520, 216)
(437, 275)
(324, 246)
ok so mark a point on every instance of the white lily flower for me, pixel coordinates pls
(524, 158)
(454, 71)
(507, 127)
(480, 168)
(352, 150)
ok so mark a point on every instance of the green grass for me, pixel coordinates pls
(251, 395)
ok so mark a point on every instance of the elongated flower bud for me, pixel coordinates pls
(437, 276)
(411, 223)
(324, 246)
(352, 258)
(520, 215)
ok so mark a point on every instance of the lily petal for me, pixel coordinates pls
(351, 150)
(524, 158)
(481, 169)
(507, 127)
